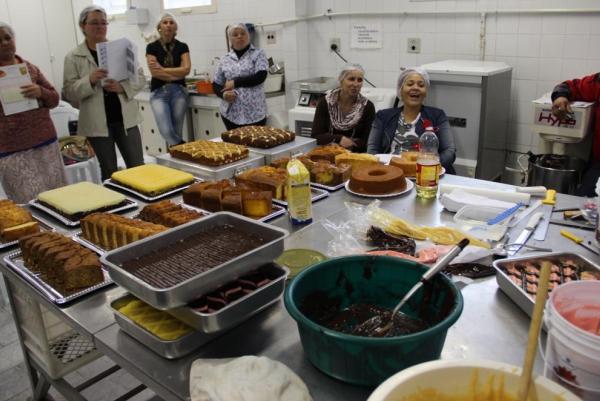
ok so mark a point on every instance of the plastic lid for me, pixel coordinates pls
(299, 259)
(473, 220)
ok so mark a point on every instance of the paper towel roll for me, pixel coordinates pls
(489, 193)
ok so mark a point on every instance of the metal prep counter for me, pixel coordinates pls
(490, 327)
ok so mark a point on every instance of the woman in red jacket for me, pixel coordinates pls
(586, 89)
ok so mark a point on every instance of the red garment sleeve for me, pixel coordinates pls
(586, 89)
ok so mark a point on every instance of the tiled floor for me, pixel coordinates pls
(14, 384)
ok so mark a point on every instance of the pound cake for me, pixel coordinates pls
(110, 231)
(265, 178)
(169, 214)
(15, 221)
(377, 180)
(209, 153)
(321, 171)
(258, 136)
(62, 263)
(407, 161)
(327, 152)
(356, 160)
(152, 179)
(77, 200)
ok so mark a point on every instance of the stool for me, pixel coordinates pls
(83, 171)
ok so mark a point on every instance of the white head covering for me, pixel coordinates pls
(164, 16)
(89, 9)
(7, 28)
(413, 70)
(240, 25)
(348, 68)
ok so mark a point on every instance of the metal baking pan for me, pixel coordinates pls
(129, 204)
(167, 349)
(239, 310)
(299, 145)
(78, 236)
(43, 227)
(188, 290)
(329, 188)
(16, 263)
(317, 194)
(110, 183)
(518, 294)
(212, 172)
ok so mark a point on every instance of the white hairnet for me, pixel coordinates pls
(348, 68)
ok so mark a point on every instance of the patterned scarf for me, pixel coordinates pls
(168, 48)
(339, 121)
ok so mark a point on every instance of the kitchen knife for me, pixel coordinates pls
(575, 224)
(578, 241)
(526, 233)
(547, 206)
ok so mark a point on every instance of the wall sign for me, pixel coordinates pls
(366, 36)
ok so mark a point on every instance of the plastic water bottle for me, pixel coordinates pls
(428, 165)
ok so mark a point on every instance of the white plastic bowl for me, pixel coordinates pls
(455, 378)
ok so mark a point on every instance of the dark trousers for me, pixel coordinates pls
(231, 125)
(589, 180)
(129, 143)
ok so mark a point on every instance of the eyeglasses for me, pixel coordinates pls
(97, 23)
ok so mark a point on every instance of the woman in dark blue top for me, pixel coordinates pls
(169, 63)
(398, 129)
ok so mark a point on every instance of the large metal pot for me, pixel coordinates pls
(559, 172)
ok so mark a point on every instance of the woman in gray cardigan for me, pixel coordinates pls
(108, 113)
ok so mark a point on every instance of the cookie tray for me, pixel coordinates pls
(188, 290)
(212, 172)
(516, 293)
(113, 184)
(15, 262)
(240, 309)
(169, 349)
(128, 204)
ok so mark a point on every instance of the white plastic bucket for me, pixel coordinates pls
(573, 354)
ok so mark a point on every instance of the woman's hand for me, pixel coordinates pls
(229, 85)
(346, 142)
(229, 96)
(113, 86)
(32, 91)
(97, 75)
(561, 107)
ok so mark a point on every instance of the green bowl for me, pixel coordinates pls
(377, 280)
(299, 259)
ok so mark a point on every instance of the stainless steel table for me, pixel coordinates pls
(491, 326)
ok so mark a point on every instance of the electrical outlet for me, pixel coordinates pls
(271, 39)
(413, 45)
(335, 44)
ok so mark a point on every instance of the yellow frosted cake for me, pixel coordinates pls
(157, 322)
(77, 200)
(152, 179)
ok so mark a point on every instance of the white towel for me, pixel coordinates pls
(248, 378)
(459, 198)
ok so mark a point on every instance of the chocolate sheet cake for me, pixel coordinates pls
(169, 266)
(258, 136)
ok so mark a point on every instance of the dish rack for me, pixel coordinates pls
(51, 343)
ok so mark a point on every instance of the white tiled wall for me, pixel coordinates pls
(543, 49)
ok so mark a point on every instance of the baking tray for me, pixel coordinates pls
(212, 172)
(167, 349)
(78, 236)
(129, 204)
(110, 183)
(516, 293)
(239, 310)
(299, 145)
(329, 188)
(43, 227)
(16, 263)
(188, 290)
(277, 211)
(317, 194)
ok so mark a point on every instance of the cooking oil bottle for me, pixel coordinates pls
(428, 165)
(298, 193)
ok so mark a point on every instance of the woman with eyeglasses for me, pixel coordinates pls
(30, 161)
(343, 115)
(108, 113)
(169, 63)
(397, 130)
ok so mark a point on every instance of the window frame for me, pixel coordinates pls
(112, 17)
(210, 9)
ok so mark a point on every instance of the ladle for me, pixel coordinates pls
(534, 331)
(382, 330)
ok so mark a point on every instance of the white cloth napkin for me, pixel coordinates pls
(248, 378)
(459, 198)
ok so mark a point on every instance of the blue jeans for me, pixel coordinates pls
(169, 104)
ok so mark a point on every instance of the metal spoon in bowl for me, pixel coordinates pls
(382, 330)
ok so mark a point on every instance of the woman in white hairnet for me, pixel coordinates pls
(343, 115)
(398, 129)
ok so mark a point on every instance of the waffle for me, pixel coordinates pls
(258, 136)
(209, 153)
(159, 323)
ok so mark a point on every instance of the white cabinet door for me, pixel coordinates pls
(207, 123)
(152, 142)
